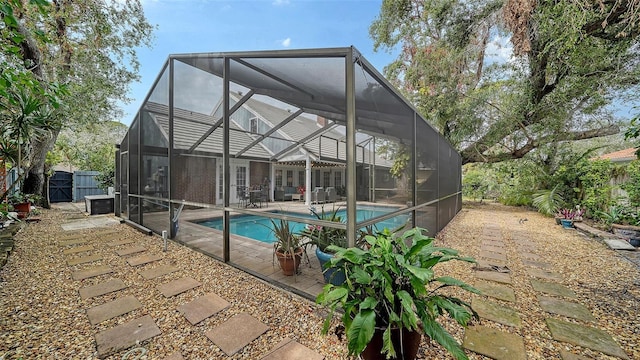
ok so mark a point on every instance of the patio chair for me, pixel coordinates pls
(264, 196)
(318, 195)
(243, 196)
(331, 194)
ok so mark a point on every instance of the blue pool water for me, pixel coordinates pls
(259, 228)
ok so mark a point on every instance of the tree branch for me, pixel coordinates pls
(472, 153)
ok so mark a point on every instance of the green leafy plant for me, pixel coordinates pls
(392, 285)
(287, 241)
(325, 236)
(547, 201)
(619, 214)
(21, 198)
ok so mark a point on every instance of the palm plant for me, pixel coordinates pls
(547, 201)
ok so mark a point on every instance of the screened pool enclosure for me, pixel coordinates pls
(276, 134)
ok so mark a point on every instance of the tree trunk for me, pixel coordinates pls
(35, 181)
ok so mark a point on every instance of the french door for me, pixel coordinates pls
(239, 177)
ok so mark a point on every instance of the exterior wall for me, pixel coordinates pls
(258, 172)
(194, 179)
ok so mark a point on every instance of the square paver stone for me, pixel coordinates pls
(143, 259)
(71, 237)
(202, 307)
(494, 343)
(504, 278)
(84, 259)
(121, 242)
(495, 312)
(236, 333)
(291, 350)
(538, 264)
(493, 255)
(158, 271)
(529, 255)
(544, 274)
(78, 249)
(552, 288)
(565, 355)
(111, 309)
(91, 272)
(498, 291)
(585, 336)
(72, 242)
(126, 335)
(131, 250)
(565, 308)
(617, 244)
(179, 286)
(491, 265)
(495, 249)
(102, 288)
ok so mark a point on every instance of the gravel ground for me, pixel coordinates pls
(43, 316)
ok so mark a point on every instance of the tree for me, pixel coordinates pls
(87, 45)
(90, 147)
(571, 58)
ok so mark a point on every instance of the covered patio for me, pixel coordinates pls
(271, 120)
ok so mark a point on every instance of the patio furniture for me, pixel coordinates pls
(331, 194)
(284, 193)
(318, 195)
(243, 196)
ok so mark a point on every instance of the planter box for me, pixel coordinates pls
(98, 204)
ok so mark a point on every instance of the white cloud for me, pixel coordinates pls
(499, 50)
(286, 42)
(280, 2)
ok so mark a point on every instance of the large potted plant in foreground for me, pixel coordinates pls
(391, 295)
(287, 248)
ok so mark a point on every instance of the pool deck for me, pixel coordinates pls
(251, 255)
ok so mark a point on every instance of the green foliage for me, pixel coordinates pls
(632, 186)
(474, 184)
(286, 240)
(391, 284)
(547, 201)
(88, 45)
(324, 236)
(619, 214)
(633, 132)
(546, 92)
(595, 181)
(21, 198)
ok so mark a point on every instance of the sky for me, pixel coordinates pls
(192, 26)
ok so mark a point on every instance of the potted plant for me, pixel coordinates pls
(287, 248)
(323, 237)
(21, 202)
(568, 216)
(391, 295)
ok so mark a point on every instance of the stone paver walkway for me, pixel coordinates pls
(230, 336)
(496, 251)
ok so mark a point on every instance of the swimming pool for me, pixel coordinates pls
(259, 228)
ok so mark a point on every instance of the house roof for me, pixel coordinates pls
(191, 126)
(620, 155)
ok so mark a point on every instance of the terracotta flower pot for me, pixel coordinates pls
(405, 350)
(22, 207)
(288, 263)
